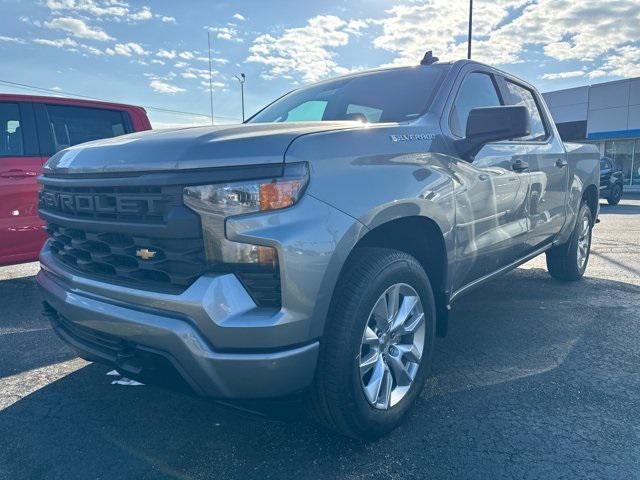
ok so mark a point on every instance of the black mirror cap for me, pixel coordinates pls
(492, 124)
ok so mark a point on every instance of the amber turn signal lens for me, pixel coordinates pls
(277, 195)
(267, 256)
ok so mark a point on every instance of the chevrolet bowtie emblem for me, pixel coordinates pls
(145, 253)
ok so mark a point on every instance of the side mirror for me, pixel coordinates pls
(492, 124)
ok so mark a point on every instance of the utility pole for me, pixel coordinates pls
(470, 29)
(242, 78)
(210, 75)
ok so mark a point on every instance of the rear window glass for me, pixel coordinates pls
(72, 125)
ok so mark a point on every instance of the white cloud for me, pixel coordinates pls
(127, 49)
(227, 33)
(561, 75)
(162, 86)
(186, 55)
(239, 17)
(598, 32)
(162, 53)
(57, 43)
(11, 39)
(157, 62)
(441, 25)
(113, 9)
(306, 51)
(144, 14)
(78, 28)
(167, 19)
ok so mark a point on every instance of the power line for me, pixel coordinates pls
(148, 107)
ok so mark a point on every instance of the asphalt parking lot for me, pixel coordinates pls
(537, 379)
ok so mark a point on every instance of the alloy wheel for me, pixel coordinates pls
(392, 346)
(584, 242)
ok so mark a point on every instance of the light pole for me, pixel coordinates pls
(470, 29)
(210, 75)
(242, 78)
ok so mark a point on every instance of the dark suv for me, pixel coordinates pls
(611, 180)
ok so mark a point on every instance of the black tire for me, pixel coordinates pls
(562, 261)
(338, 400)
(616, 195)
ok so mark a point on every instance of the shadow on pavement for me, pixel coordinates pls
(536, 379)
(25, 335)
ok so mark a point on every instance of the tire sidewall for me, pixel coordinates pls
(367, 417)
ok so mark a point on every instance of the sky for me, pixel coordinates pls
(155, 53)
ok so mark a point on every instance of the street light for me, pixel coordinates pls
(242, 78)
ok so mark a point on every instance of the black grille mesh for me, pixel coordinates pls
(175, 263)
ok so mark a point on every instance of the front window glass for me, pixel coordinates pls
(11, 143)
(477, 91)
(386, 96)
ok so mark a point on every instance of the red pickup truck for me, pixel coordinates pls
(31, 130)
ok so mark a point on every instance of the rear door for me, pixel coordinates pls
(21, 234)
(543, 156)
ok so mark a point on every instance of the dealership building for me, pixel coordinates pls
(607, 115)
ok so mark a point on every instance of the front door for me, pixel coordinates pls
(21, 234)
(491, 217)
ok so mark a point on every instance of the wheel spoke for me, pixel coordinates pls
(413, 325)
(387, 387)
(381, 314)
(410, 353)
(404, 312)
(372, 389)
(393, 302)
(369, 361)
(400, 373)
(370, 337)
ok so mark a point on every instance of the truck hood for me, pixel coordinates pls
(187, 148)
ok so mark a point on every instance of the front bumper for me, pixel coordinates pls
(151, 343)
(212, 334)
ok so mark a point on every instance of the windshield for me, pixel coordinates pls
(385, 96)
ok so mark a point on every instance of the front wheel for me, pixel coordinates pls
(568, 262)
(377, 346)
(616, 194)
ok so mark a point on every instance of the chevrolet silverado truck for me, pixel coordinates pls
(315, 249)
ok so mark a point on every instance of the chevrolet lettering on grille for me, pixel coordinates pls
(76, 203)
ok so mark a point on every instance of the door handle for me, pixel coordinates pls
(520, 166)
(17, 174)
(561, 163)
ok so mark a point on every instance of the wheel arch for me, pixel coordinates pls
(422, 238)
(591, 197)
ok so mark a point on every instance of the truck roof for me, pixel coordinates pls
(68, 101)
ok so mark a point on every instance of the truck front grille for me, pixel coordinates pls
(129, 259)
(136, 234)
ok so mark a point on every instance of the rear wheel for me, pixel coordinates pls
(568, 262)
(616, 194)
(376, 351)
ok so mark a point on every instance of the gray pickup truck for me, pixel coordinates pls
(318, 247)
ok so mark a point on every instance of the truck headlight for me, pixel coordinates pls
(214, 203)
